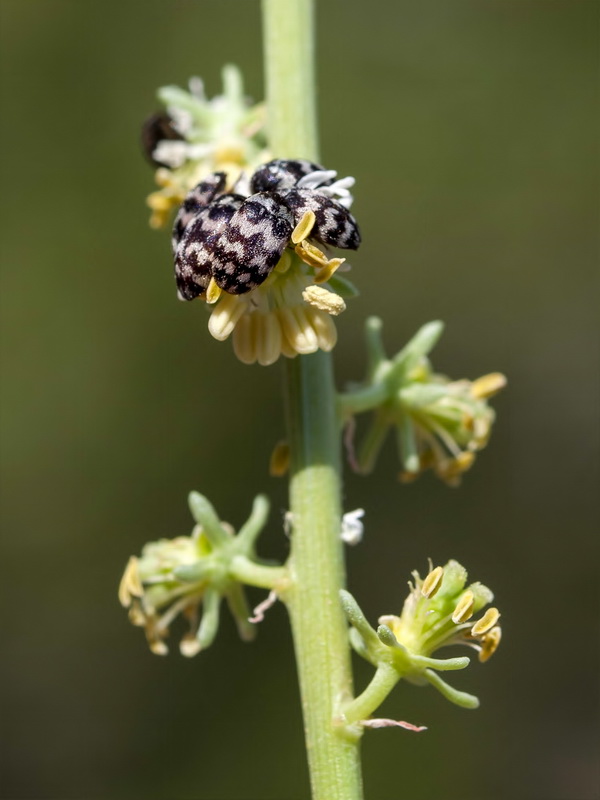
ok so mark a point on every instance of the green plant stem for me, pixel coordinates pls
(382, 683)
(366, 398)
(260, 575)
(316, 562)
(290, 77)
(316, 568)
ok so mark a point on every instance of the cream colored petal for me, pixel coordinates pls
(225, 316)
(324, 328)
(268, 338)
(298, 330)
(286, 348)
(308, 341)
(243, 340)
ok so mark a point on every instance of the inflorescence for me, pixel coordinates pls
(251, 237)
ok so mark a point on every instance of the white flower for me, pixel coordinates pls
(352, 526)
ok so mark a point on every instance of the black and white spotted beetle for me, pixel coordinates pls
(238, 240)
(157, 128)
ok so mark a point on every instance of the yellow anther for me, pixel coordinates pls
(229, 153)
(324, 300)
(489, 643)
(451, 470)
(158, 647)
(162, 177)
(325, 273)
(463, 461)
(158, 201)
(158, 219)
(432, 582)
(284, 263)
(137, 616)
(189, 646)
(213, 292)
(488, 385)
(311, 255)
(486, 623)
(131, 585)
(464, 608)
(304, 227)
(279, 463)
(468, 421)
(407, 477)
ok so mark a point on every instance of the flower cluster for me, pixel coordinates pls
(195, 136)
(290, 313)
(439, 611)
(185, 575)
(258, 254)
(252, 237)
(440, 423)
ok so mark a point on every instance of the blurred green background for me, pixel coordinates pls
(471, 129)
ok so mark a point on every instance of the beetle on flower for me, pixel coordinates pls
(258, 254)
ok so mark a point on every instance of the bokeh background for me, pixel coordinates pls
(471, 129)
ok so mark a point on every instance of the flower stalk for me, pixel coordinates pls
(316, 562)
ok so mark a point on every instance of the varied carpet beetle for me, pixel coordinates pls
(195, 252)
(281, 174)
(238, 240)
(200, 196)
(156, 129)
(334, 224)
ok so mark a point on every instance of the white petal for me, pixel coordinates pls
(314, 179)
